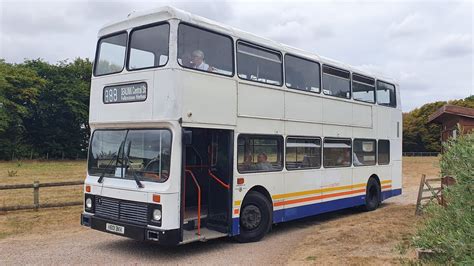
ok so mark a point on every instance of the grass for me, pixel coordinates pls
(43, 171)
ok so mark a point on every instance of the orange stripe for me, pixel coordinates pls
(236, 211)
(288, 202)
(386, 186)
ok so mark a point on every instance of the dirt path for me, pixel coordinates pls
(344, 237)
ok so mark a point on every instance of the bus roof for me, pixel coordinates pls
(139, 18)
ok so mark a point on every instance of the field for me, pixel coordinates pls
(344, 237)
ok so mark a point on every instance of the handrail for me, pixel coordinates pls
(218, 180)
(199, 199)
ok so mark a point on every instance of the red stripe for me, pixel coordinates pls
(288, 202)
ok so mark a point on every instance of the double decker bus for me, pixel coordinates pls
(200, 131)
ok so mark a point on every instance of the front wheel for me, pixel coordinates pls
(372, 195)
(255, 217)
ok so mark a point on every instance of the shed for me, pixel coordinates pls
(454, 120)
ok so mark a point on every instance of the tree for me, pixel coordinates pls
(59, 124)
(19, 89)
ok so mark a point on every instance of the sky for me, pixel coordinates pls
(426, 45)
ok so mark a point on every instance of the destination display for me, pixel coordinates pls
(136, 92)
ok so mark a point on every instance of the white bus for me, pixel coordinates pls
(201, 131)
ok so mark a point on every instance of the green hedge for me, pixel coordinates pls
(449, 231)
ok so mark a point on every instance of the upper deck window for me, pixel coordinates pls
(149, 47)
(205, 50)
(259, 64)
(302, 74)
(363, 88)
(110, 56)
(386, 94)
(336, 82)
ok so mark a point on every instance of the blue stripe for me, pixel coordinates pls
(317, 208)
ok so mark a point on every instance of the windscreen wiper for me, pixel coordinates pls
(114, 158)
(128, 165)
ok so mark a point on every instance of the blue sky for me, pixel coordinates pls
(426, 45)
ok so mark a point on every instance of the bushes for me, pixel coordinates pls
(449, 231)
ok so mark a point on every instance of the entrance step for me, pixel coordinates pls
(206, 234)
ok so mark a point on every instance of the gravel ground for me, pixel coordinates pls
(88, 246)
(84, 246)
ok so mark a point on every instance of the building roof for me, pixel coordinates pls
(449, 112)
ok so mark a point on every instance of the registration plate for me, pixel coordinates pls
(115, 228)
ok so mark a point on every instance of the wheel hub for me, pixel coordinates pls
(251, 217)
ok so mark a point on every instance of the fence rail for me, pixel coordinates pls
(420, 154)
(36, 186)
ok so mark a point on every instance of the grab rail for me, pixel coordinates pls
(199, 200)
(218, 180)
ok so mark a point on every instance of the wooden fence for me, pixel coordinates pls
(36, 188)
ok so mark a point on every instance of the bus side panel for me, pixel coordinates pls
(219, 92)
(319, 208)
(260, 102)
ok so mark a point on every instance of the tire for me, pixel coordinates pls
(372, 195)
(255, 217)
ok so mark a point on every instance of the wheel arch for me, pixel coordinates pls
(376, 177)
(261, 190)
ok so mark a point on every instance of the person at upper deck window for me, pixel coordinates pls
(198, 61)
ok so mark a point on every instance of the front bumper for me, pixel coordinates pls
(137, 232)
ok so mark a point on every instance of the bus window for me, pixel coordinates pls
(259, 64)
(336, 82)
(149, 47)
(302, 74)
(258, 153)
(337, 153)
(363, 88)
(386, 94)
(205, 50)
(110, 54)
(364, 152)
(303, 153)
(384, 152)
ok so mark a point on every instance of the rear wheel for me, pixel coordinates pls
(255, 217)
(372, 196)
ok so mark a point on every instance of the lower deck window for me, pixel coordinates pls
(337, 153)
(303, 153)
(259, 153)
(364, 152)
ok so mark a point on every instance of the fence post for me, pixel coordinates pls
(420, 195)
(36, 194)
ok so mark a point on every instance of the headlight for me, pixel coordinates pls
(89, 203)
(157, 215)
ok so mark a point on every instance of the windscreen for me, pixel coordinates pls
(143, 153)
(110, 54)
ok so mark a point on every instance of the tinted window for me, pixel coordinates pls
(205, 50)
(363, 88)
(386, 94)
(364, 152)
(384, 152)
(337, 153)
(149, 47)
(303, 153)
(302, 74)
(336, 82)
(110, 55)
(259, 153)
(259, 64)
